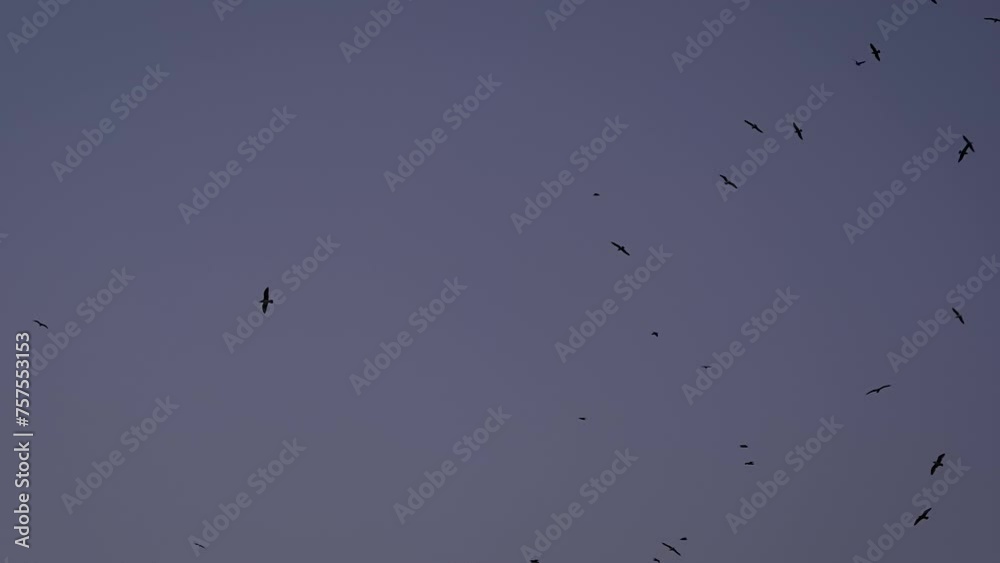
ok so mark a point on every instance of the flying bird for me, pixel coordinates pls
(684, 539)
(41, 324)
(877, 390)
(748, 463)
(582, 418)
(596, 194)
(657, 560)
(963, 152)
(266, 300)
(199, 545)
(620, 248)
(859, 63)
(958, 315)
(744, 446)
(728, 183)
(656, 334)
(875, 52)
(753, 126)
(922, 517)
(671, 548)
(995, 20)
(706, 367)
(937, 463)
(797, 130)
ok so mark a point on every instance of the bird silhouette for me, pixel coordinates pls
(994, 20)
(922, 517)
(937, 463)
(963, 152)
(859, 63)
(263, 302)
(958, 315)
(656, 334)
(877, 390)
(744, 446)
(748, 463)
(728, 183)
(753, 126)
(199, 545)
(797, 130)
(657, 560)
(41, 324)
(875, 52)
(596, 194)
(621, 248)
(671, 548)
(582, 418)
(684, 539)
(933, 1)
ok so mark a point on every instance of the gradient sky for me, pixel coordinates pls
(494, 346)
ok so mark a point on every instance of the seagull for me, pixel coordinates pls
(706, 367)
(744, 446)
(657, 560)
(596, 194)
(877, 390)
(995, 20)
(684, 539)
(41, 324)
(859, 63)
(265, 300)
(199, 545)
(620, 248)
(937, 463)
(922, 517)
(582, 418)
(797, 130)
(748, 463)
(963, 152)
(656, 334)
(875, 52)
(671, 548)
(958, 315)
(753, 126)
(728, 183)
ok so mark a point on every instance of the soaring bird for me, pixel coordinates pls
(797, 130)
(968, 143)
(728, 183)
(621, 248)
(753, 126)
(748, 463)
(859, 63)
(937, 463)
(671, 548)
(582, 418)
(684, 539)
(657, 560)
(995, 20)
(877, 390)
(706, 367)
(41, 324)
(958, 315)
(656, 334)
(875, 52)
(933, 1)
(265, 300)
(744, 446)
(596, 194)
(922, 517)
(199, 545)
(963, 152)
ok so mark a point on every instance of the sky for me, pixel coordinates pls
(158, 370)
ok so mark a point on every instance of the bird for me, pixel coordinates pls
(922, 517)
(596, 194)
(798, 131)
(656, 334)
(968, 143)
(963, 152)
(958, 315)
(657, 560)
(933, 1)
(41, 324)
(582, 418)
(875, 52)
(671, 548)
(859, 63)
(877, 390)
(728, 183)
(620, 248)
(684, 539)
(199, 545)
(744, 446)
(748, 463)
(266, 300)
(753, 126)
(937, 463)
(995, 20)
(706, 367)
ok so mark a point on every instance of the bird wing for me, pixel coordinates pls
(626, 252)
(267, 291)
(870, 392)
